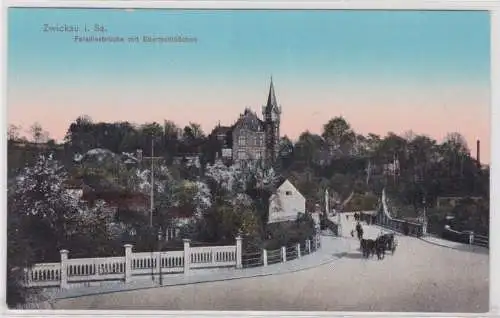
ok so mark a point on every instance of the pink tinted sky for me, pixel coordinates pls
(426, 71)
(368, 107)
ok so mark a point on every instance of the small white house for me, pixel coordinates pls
(286, 204)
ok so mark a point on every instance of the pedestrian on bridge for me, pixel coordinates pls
(359, 230)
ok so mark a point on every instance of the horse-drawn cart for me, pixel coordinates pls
(379, 246)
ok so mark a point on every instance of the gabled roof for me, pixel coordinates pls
(280, 182)
(287, 181)
(221, 130)
(249, 120)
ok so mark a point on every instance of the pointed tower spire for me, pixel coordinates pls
(271, 99)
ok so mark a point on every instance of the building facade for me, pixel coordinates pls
(252, 138)
(249, 138)
(286, 204)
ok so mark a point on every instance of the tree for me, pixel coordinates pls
(373, 143)
(39, 194)
(286, 149)
(286, 146)
(80, 134)
(224, 180)
(308, 147)
(38, 135)
(338, 134)
(170, 130)
(43, 218)
(456, 143)
(196, 131)
(152, 130)
(14, 133)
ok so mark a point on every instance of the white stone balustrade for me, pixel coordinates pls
(85, 270)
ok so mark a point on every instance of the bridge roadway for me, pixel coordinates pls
(420, 277)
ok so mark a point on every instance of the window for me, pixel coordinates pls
(242, 140)
(258, 155)
(242, 155)
(288, 192)
(254, 140)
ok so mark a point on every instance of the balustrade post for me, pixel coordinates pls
(128, 262)
(264, 257)
(238, 252)
(158, 267)
(298, 250)
(187, 256)
(283, 254)
(64, 269)
(308, 246)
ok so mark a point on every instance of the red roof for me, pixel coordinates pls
(118, 198)
(180, 212)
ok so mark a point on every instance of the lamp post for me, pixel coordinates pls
(424, 226)
(160, 232)
(151, 207)
(151, 195)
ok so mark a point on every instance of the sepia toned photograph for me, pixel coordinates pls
(248, 160)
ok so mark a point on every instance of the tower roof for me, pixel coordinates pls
(271, 99)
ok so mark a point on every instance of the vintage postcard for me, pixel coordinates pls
(248, 160)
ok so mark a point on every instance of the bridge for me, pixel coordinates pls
(426, 274)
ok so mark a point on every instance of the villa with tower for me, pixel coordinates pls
(251, 138)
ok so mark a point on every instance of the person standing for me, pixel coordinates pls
(359, 230)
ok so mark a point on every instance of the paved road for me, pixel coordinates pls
(420, 277)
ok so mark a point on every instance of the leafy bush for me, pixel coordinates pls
(289, 233)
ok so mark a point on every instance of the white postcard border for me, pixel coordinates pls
(491, 5)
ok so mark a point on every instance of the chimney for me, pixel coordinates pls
(478, 152)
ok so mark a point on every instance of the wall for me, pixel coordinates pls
(254, 146)
(286, 204)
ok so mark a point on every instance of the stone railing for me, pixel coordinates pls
(466, 237)
(332, 225)
(123, 268)
(384, 218)
(267, 257)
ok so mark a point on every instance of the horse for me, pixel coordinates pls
(380, 246)
(367, 247)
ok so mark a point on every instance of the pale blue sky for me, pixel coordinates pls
(442, 44)
(431, 69)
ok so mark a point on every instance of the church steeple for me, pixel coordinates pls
(271, 99)
(271, 113)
